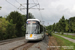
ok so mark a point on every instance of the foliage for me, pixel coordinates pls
(0, 7)
(3, 25)
(11, 30)
(67, 26)
(31, 16)
(13, 25)
(64, 25)
(49, 32)
(62, 33)
(18, 20)
(72, 24)
(0, 16)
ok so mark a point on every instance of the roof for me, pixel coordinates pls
(33, 20)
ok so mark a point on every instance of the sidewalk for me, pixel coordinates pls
(72, 40)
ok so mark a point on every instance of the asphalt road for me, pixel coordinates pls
(69, 33)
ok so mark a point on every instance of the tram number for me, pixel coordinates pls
(30, 35)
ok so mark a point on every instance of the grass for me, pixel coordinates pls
(63, 42)
(69, 36)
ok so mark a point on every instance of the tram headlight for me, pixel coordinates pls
(26, 35)
(34, 35)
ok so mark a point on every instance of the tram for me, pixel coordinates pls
(34, 30)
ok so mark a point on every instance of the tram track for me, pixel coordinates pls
(10, 40)
(24, 46)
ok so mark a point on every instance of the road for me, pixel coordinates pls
(69, 33)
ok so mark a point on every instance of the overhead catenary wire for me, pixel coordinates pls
(14, 6)
(21, 5)
(11, 4)
(39, 11)
(17, 1)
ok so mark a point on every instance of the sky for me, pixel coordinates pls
(53, 9)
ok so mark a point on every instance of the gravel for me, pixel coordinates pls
(42, 45)
(9, 46)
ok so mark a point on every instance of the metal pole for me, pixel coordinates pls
(27, 8)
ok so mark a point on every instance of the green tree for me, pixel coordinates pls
(67, 26)
(18, 20)
(11, 30)
(0, 16)
(72, 24)
(57, 27)
(31, 16)
(0, 7)
(3, 25)
(53, 27)
(62, 24)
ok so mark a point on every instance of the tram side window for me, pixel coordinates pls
(37, 29)
(41, 28)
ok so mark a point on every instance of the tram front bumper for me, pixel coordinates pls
(33, 39)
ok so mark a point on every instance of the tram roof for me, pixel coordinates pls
(33, 20)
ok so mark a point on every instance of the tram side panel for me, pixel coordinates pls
(42, 31)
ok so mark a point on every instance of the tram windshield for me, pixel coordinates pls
(32, 28)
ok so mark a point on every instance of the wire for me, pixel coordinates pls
(14, 6)
(39, 8)
(34, 2)
(34, 5)
(17, 1)
(39, 11)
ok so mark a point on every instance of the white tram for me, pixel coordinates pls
(34, 30)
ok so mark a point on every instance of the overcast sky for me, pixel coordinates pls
(53, 9)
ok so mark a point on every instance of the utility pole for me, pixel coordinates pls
(27, 16)
(27, 8)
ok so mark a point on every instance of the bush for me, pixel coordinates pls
(11, 30)
(62, 33)
(50, 33)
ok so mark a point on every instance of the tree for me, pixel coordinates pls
(0, 7)
(67, 26)
(62, 24)
(18, 20)
(3, 25)
(11, 30)
(0, 16)
(53, 27)
(57, 27)
(72, 24)
(31, 16)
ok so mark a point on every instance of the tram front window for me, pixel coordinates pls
(32, 29)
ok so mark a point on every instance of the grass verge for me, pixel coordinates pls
(69, 36)
(63, 42)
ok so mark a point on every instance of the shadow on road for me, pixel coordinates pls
(34, 41)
